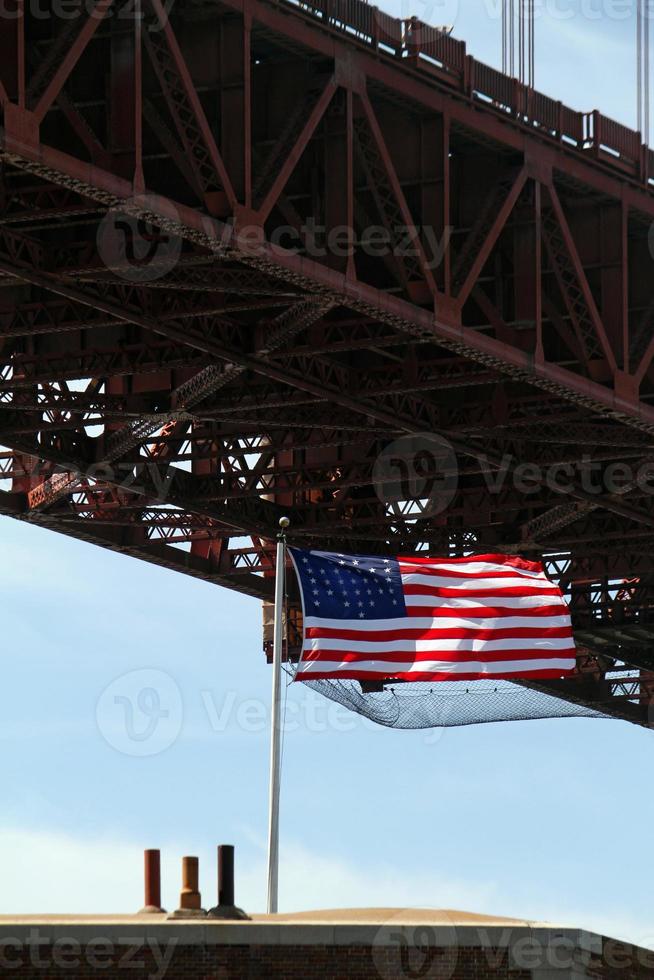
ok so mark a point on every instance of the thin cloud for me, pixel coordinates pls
(103, 875)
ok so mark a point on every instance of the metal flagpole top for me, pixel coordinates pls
(284, 522)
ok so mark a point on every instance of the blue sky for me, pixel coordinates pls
(508, 818)
(585, 49)
(538, 819)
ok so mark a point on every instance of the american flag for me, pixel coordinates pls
(430, 619)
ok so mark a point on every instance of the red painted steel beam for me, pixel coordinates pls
(428, 89)
(194, 106)
(358, 296)
(296, 151)
(163, 555)
(295, 380)
(93, 21)
(483, 252)
(391, 174)
(12, 55)
(582, 280)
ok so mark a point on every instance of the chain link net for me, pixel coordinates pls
(447, 704)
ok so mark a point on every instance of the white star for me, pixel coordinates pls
(329, 592)
(316, 602)
(394, 602)
(313, 581)
(373, 570)
(361, 615)
(341, 563)
(316, 592)
(387, 571)
(372, 602)
(357, 591)
(355, 562)
(359, 603)
(346, 604)
(387, 561)
(306, 561)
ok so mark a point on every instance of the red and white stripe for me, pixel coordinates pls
(490, 616)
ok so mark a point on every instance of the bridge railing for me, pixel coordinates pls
(434, 46)
(388, 32)
(548, 114)
(611, 136)
(493, 86)
(436, 53)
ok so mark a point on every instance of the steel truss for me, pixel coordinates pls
(228, 283)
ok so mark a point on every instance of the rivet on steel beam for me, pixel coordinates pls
(152, 880)
(225, 909)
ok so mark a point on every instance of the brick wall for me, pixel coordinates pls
(160, 950)
(285, 962)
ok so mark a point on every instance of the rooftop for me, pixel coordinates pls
(326, 917)
(333, 926)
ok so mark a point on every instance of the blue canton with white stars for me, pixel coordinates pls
(338, 586)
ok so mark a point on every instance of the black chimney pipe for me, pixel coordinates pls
(226, 874)
(225, 909)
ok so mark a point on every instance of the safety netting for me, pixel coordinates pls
(447, 704)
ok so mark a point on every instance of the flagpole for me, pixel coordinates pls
(275, 731)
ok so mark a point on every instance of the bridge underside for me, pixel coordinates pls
(245, 247)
